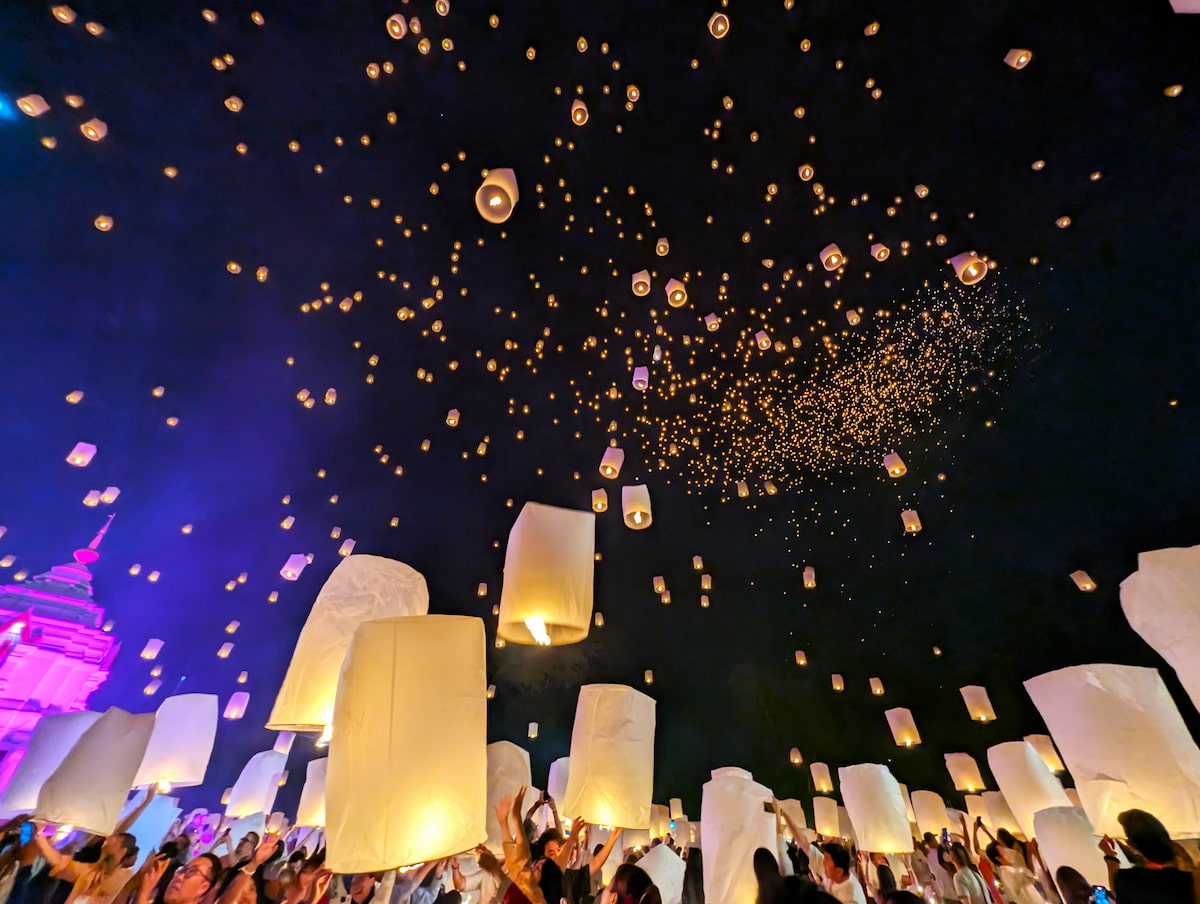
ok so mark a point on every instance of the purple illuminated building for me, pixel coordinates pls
(53, 652)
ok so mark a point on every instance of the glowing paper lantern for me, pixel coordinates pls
(291, 569)
(718, 27)
(152, 648)
(225, 650)
(876, 808)
(978, 703)
(89, 786)
(676, 808)
(1084, 581)
(556, 781)
(257, 784)
(895, 465)
(546, 597)
(94, 129)
(795, 811)
(397, 26)
(822, 780)
(825, 817)
(181, 744)
(497, 196)
(533, 730)
(1025, 782)
(795, 757)
(600, 500)
(904, 729)
(880, 251)
(635, 505)
(151, 827)
(1119, 724)
(832, 257)
(579, 112)
(1066, 838)
(32, 105)
(736, 823)
(706, 582)
(1000, 814)
(964, 772)
(284, 741)
(611, 461)
(1045, 748)
(968, 267)
(660, 821)
(930, 810)
(52, 739)
(641, 378)
(912, 521)
(393, 799)
(676, 293)
(507, 770)
(665, 869)
(839, 683)
(1161, 601)
(712, 322)
(612, 757)
(662, 246)
(1182, 6)
(977, 809)
(81, 455)
(361, 589)
(801, 658)
(63, 14)
(641, 283)
(236, 707)
(876, 687)
(1018, 58)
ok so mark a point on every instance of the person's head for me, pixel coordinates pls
(1007, 838)
(118, 847)
(192, 881)
(959, 854)
(1147, 836)
(766, 867)
(929, 840)
(837, 861)
(998, 855)
(631, 885)
(362, 888)
(548, 844)
(1074, 888)
(245, 848)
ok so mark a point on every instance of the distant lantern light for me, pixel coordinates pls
(452, 417)
(579, 112)
(1173, 90)
(770, 488)
(904, 729)
(600, 500)
(236, 707)
(662, 246)
(912, 521)
(635, 506)
(658, 583)
(871, 30)
(801, 658)
(832, 257)
(894, 465)
(795, 758)
(81, 455)
(853, 317)
(876, 687)
(491, 692)
(979, 705)
(706, 582)
(233, 104)
(75, 396)
(704, 601)
(330, 396)
(805, 172)
(397, 26)
(152, 688)
(712, 322)
(1018, 58)
(810, 577)
(224, 651)
(822, 780)
(152, 648)
(1083, 581)
(262, 273)
(347, 547)
(481, 590)
(718, 25)
(969, 267)
(880, 251)
(94, 129)
(611, 461)
(676, 293)
(243, 677)
(762, 340)
(598, 620)
(641, 378)
(442, 7)
(633, 94)
(497, 196)
(648, 676)
(533, 730)
(92, 498)
(839, 683)
(110, 495)
(32, 105)
(743, 490)
(921, 191)
(293, 566)
(640, 283)
(103, 222)
(63, 14)
(698, 563)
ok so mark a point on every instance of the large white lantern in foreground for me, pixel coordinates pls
(665, 869)
(876, 808)
(507, 771)
(1025, 782)
(825, 817)
(1000, 814)
(185, 728)
(90, 785)
(1118, 723)
(548, 567)
(735, 824)
(497, 196)
(311, 810)
(393, 798)
(612, 757)
(1066, 838)
(361, 589)
(53, 737)
(559, 775)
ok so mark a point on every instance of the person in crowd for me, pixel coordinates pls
(969, 885)
(631, 885)
(518, 864)
(1018, 882)
(1158, 880)
(770, 882)
(941, 877)
(191, 883)
(1073, 887)
(91, 883)
(583, 882)
(881, 881)
(693, 877)
(839, 881)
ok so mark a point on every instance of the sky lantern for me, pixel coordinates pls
(662, 246)
(930, 812)
(32, 105)
(497, 196)
(612, 757)
(52, 739)
(641, 378)
(361, 588)
(392, 799)
(876, 687)
(810, 577)
(579, 112)
(611, 461)
(904, 729)
(894, 465)
(1025, 782)
(1161, 602)
(978, 703)
(635, 506)
(180, 746)
(310, 812)
(295, 564)
(801, 658)
(81, 455)
(718, 25)
(876, 808)
(969, 267)
(712, 322)
(795, 757)
(822, 779)
(1044, 745)
(976, 809)
(677, 295)
(832, 257)
(94, 129)
(825, 817)
(640, 283)
(397, 26)
(911, 521)
(736, 820)
(1000, 814)
(546, 597)
(964, 772)
(880, 251)
(839, 683)
(1018, 58)
(152, 648)
(1083, 581)
(600, 500)
(235, 708)
(1066, 837)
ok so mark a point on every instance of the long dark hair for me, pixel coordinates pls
(632, 885)
(693, 878)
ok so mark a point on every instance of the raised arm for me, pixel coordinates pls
(57, 859)
(243, 882)
(125, 824)
(567, 849)
(599, 860)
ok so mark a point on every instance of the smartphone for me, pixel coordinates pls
(1100, 895)
(26, 832)
(945, 838)
(768, 807)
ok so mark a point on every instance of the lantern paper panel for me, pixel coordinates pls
(876, 807)
(89, 786)
(977, 809)
(52, 739)
(360, 589)
(846, 827)
(236, 707)
(185, 728)
(1044, 745)
(556, 781)
(795, 811)
(1119, 723)
(256, 786)
(904, 729)
(964, 772)
(665, 869)
(635, 506)
(1066, 838)
(394, 799)
(825, 817)
(1025, 782)
(660, 821)
(507, 771)
(611, 461)
(736, 823)
(310, 812)
(498, 194)
(612, 757)
(549, 565)
(151, 827)
(822, 779)
(1000, 814)
(930, 810)
(979, 705)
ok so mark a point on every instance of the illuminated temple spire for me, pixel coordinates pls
(89, 555)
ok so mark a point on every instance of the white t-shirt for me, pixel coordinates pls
(968, 884)
(848, 891)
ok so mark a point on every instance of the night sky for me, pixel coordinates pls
(1055, 430)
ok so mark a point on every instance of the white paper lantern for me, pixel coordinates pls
(665, 869)
(89, 786)
(556, 781)
(660, 821)
(151, 827)
(52, 739)
(978, 703)
(361, 588)
(612, 757)
(180, 747)
(876, 808)
(1066, 838)
(256, 785)
(236, 707)
(846, 827)
(635, 505)
(599, 500)
(1000, 814)
(930, 810)
(32, 105)
(676, 291)
(795, 811)
(825, 817)
(284, 741)
(311, 810)
(611, 461)
(822, 780)
(911, 521)
(832, 257)
(546, 597)
(676, 807)
(904, 729)
(1119, 723)
(295, 564)
(81, 455)
(497, 195)
(736, 823)
(1025, 782)
(641, 378)
(964, 772)
(1044, 745)
(507, 770)
(393, 798)
(1083, 581)
(640, 283)
(977, 809)
(1017, 59)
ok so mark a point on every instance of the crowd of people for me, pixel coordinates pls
(200, 864)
